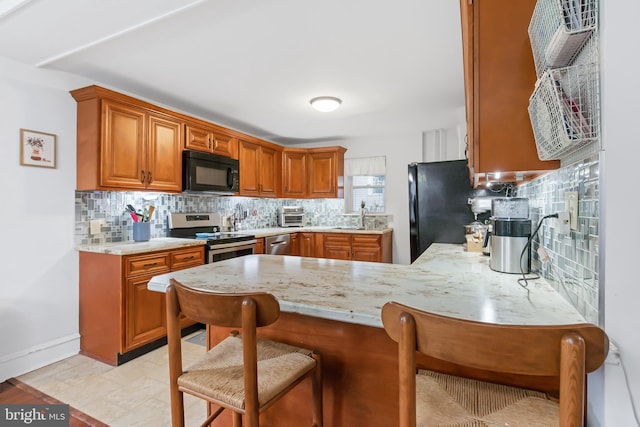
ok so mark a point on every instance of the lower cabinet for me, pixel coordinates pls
(355, 246)
(120, 318)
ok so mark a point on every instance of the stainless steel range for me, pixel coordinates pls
(206, 226)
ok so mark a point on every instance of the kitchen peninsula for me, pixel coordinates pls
(334, 306)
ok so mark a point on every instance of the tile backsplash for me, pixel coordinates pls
(106, 209)
(574, 257)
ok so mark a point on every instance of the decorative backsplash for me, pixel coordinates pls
(107, 210)
(573, 266)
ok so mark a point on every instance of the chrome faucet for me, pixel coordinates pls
(363, 213)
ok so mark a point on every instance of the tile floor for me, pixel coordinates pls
(133, 394)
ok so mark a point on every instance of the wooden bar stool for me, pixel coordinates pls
(242, 373)
(435, 399)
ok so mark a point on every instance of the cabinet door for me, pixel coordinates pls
(164, 153)
(322, 175)
(259, 246)
(144, 313)
(294, 247)
(337, 246)
(503, 80)
(366, 248)
(294, 172)
(307, 243)
(197, 138)
(249, 159)
(269, 171)
(224, 145)
(122, 154)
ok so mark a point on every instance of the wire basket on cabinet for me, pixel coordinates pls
(564, 110)
(558, 29)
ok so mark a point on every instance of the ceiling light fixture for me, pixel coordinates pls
(325, 103)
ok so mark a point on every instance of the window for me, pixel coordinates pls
(365, 181)
(370, 189)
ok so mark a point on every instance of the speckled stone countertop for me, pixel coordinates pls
(168, 243)
(130, 247)
(265, 232)
(444, 280)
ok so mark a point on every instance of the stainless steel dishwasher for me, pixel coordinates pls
(277, 245)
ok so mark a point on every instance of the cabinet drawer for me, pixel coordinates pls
(187, 258)
(337, 239)
(366, 240)
(144, 264)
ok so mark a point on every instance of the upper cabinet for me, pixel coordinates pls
(326, 172)
(122, 143)
(294, 173)
(499, 77)
(313, 172)
(203, 137)
(260, 168)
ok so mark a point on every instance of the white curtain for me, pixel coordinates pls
(365, 166)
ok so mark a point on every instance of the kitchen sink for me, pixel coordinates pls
(348, 228)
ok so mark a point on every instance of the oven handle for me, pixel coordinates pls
(242, 247)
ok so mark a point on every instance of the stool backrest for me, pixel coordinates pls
(224, 309)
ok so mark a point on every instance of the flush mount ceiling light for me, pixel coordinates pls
(325, 103)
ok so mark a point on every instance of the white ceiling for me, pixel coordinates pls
(253, 65)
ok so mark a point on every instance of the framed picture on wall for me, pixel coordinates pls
(37, 148)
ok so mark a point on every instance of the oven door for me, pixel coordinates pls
(216, 254)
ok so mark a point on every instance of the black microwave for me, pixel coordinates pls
(204, 172)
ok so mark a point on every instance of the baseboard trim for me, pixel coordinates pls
(27, 360)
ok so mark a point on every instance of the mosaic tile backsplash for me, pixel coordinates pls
(574, 257)
(106, 209)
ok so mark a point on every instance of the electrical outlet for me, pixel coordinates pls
(562, 223)
(95, 226)
(571, 206)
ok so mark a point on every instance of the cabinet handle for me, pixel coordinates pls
(210, 144)
(142, 176)
(149, 178)
(187, 258)
(150, 264)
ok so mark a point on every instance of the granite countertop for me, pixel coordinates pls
(445, 280)
(168, 243)
(130, 247)
(266, 232)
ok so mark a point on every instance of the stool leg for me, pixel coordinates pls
(316, 392)
(237, 419)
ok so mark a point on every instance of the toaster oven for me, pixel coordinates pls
(291, 216)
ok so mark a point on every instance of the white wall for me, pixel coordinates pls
(39, 282)
(620, 204)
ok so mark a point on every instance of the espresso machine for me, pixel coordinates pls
(510, 233)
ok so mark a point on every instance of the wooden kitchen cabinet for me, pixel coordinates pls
(294, 244)
(355, 246)
(303, 244)
(499, 78)
(203, 137)
(124, 144)
(120, 318)
(259, 249)
(306, 244)
(313, 172)
(260, 169)
(294, 173)
(326, 172)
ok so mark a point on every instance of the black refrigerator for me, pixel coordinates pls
(438, 204)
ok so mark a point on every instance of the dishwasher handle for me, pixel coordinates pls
(278, 245)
